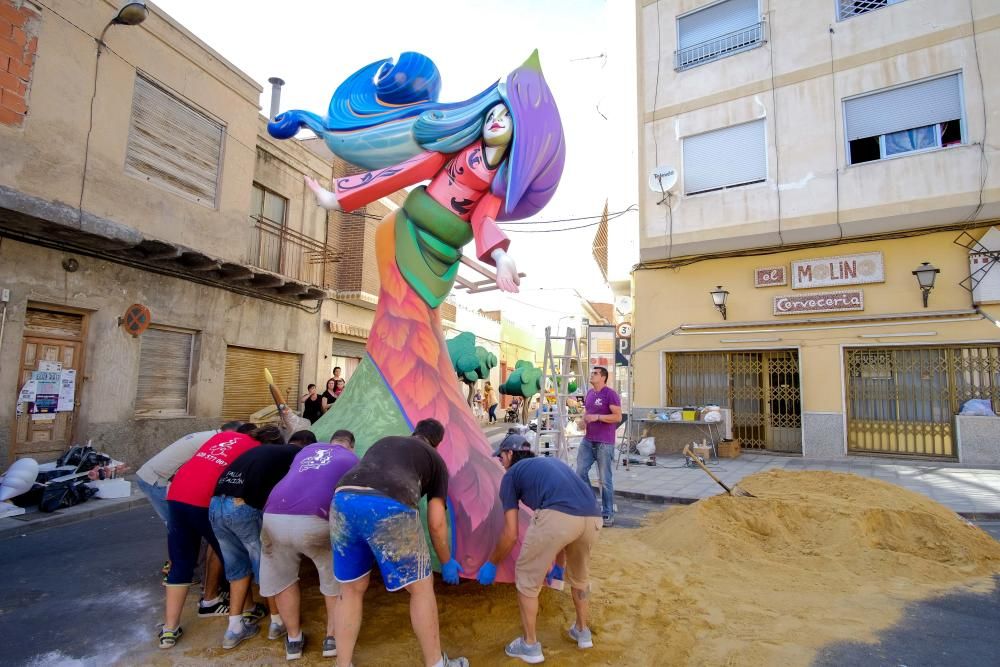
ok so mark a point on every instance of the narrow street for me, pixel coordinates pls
(89, 594)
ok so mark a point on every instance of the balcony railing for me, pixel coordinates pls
(291, 254)
(720, 47)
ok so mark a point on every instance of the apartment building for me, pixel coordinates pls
(818, 192)
(136, 170)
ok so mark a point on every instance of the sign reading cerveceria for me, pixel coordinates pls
(820, 302)
(859, 269)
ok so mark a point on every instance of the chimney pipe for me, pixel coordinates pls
(276, 85)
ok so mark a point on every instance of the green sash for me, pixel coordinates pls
(429, 241)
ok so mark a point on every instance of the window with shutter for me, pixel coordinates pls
(718, 30)
(173, 145)
(725, 158)
(164, 372)
(245, 391)
(905, 119)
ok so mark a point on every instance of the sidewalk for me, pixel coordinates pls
(971, 492)
(33, 520)
(974, 493)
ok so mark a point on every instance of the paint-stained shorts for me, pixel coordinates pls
(284, 539)
(367, 526)
(550, 532)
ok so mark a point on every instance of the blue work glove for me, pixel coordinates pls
(487, 573)
(450, 570)
(555, 575)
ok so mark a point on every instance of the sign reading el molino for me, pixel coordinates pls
(860, 269)
(819, 302)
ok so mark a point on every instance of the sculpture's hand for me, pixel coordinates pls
(324, 197)
(507, 278)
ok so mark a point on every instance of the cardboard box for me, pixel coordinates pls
(728, 449)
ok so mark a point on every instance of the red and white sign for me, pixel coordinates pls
(770, 276)
(860, 269)
(820, 302)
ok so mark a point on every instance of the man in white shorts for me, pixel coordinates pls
(296, 523)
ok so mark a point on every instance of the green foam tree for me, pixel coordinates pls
(526, 382)
(471, 362)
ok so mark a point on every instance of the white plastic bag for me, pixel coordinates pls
(712, 413)
(977, 407)
(646, 447)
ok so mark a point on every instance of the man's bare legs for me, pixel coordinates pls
(213, 574)
(528, 606)
(348, 618)
(424, 619)
(331, 615)
(176, 594)
(582, 604)
(288, 602)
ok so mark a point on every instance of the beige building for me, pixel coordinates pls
(801, 159)
(138, 170)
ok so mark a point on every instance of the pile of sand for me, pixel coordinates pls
(817, 557)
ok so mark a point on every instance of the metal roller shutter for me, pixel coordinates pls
(164, 372)
(348, 348)
(245, 391)
(715, 21)
(173, 144)
(904, 108)
(734, 155)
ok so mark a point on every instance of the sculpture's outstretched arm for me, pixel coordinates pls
(353, 192)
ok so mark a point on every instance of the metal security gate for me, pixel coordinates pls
(762, 388)
(902, 400)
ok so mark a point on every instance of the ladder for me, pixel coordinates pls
(557, 372)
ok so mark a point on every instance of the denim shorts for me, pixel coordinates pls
(367, 527)
(237, 528)
(157, 497)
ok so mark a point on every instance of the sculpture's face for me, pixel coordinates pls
(498, 128)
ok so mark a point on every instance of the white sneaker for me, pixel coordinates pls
(582, 638)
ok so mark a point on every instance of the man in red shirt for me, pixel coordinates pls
(188, 498)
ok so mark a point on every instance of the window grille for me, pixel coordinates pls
(848, 8)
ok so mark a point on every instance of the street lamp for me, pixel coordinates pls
(926, 274)
(719, 297)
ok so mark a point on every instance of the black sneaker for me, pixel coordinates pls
(293, 649)
(220, 608)
(254, 615)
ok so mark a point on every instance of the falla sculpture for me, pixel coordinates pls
(494, 157)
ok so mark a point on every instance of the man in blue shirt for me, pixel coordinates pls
(566, 523)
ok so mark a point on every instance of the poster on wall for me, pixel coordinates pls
(601, 349)
(47, 384)
(67, 390)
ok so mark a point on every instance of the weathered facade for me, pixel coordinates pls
(802, 158)
(138, 170)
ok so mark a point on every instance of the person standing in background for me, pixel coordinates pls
(312, 405)
(491, 401)
(603, 413)
(328, 397)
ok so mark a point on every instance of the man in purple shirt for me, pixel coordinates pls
(602, 413)
(296, 523)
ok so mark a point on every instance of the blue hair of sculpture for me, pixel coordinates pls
(386, 113)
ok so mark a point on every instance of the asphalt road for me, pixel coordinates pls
(83, 595)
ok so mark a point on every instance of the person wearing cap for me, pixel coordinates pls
(566, 524)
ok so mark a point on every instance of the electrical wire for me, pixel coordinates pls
(777, 150)
(984, 160)
(836, 162)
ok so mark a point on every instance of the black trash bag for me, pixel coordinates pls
(58, 495)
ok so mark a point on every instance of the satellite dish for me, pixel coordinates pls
(663, 179)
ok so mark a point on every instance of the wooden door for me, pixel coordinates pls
(45, 436)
